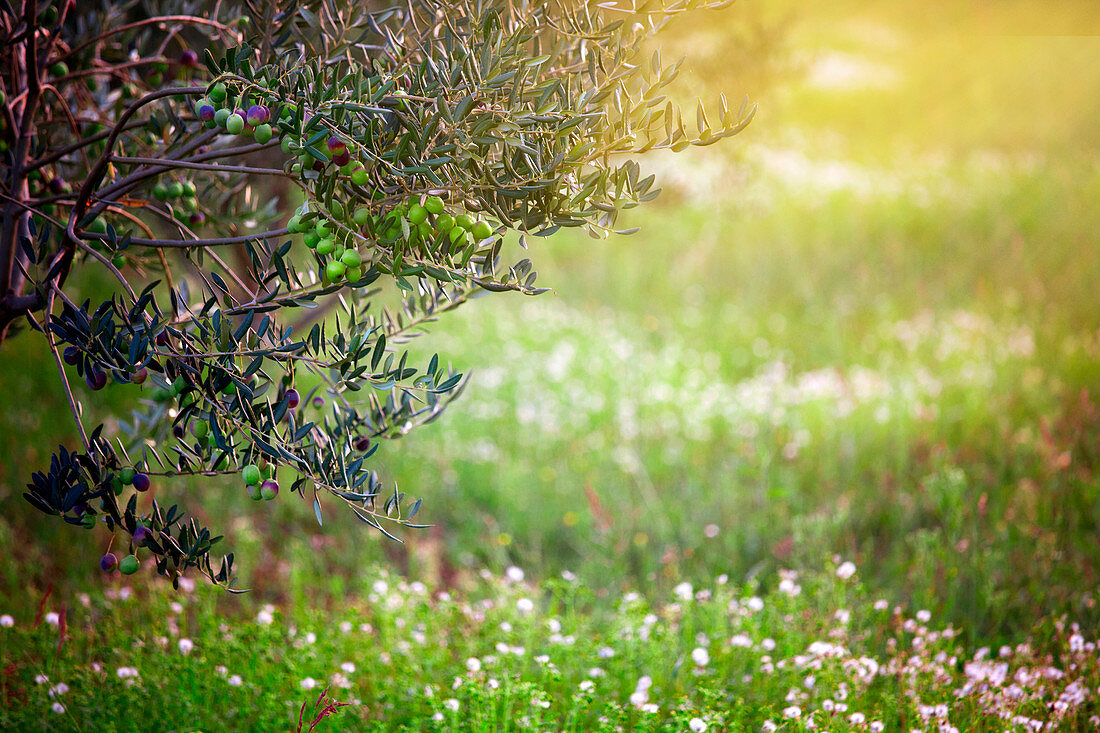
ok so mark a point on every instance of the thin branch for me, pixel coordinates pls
(159, 19)
(202, 166)
(206, 242)
(61, 369)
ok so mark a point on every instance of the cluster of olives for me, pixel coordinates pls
(129, 564)
(183, 195)
(425, 217)
(259, 481)
(130, 477)
(253, 121)
(428, 218)
(97, 378)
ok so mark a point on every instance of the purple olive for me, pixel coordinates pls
(318, 401)
(142, 535)
(292, 398)
(141, 482)
(162, 338)
(197, 218)
(336, 145)
(189, 58)
(72, 355)
(140, 376)
(269, 490)
(206, 113)
(257, 115)
(108, 562)
(362, 443)
(96, 380)
(341, 159)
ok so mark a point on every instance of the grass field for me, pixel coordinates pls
(866, 331)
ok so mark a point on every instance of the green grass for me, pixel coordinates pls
(868, 331)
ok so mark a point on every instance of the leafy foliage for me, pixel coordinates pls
(416, 137)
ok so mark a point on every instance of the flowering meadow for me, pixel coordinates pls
(816, 652)
(816, 449)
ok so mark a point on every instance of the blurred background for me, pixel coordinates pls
(868, 326)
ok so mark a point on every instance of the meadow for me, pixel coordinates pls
(817, 448)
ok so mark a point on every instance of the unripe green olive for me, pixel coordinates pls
(444, 222)
(234, 124)
(251, 474)
(465, 221)
(417, 213)
(335, 270)
(434, 205)
(362, 216)
(311, 238)
(359, 176)
(323, 228)
(326, 246)
(457, 235)
(351, 258)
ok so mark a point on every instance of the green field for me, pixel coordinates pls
(867, 329)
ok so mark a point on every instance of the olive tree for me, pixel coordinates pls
(234, 173)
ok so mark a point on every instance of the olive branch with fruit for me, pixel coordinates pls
(144, 236)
